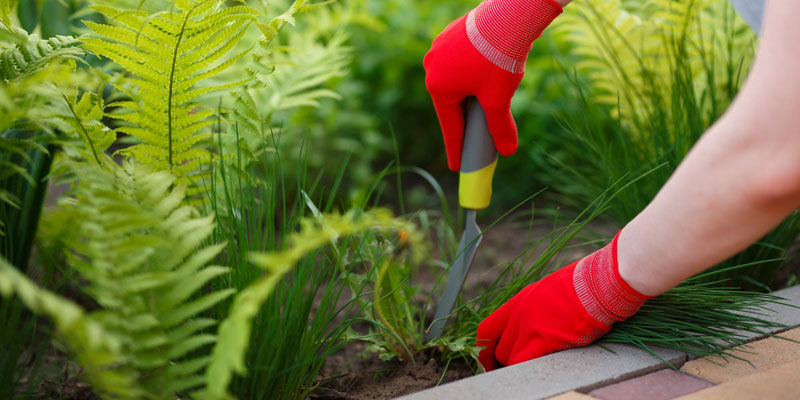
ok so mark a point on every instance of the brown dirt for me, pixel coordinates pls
(372, 379)
(355, 374)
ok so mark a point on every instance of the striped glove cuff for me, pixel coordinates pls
(602, 291)
(504, 30)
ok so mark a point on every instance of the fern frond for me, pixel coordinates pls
(96, 349)
(167, 55)
(85, 119)
(630, 56)
(287, 78)
(36, 74)
(139, 250)
(234, 332)
(6, 8)
(271, 29)
(34, 54)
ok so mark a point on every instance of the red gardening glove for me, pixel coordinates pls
(483, 54)
(571, 307)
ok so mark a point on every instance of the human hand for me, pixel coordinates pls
(569, 308)
(483, 54)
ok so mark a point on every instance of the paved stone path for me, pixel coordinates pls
(772, 371)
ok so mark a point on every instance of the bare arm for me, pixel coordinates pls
(738, 182)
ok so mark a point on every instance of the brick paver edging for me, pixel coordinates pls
(580, 369)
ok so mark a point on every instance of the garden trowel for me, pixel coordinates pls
(478, 161)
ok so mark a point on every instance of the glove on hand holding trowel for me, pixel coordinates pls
(482, 55)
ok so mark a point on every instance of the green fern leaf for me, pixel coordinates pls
(285, 79)
(138, 249)
(34, 54)
(167, 55)
(96, 349)
(86, 120)
(629, 55)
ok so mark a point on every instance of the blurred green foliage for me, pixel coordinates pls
(385, 92)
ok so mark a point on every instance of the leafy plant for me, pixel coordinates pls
(135, 245)
(167, 54)
(35, 74)
(139, 252)
(31, 55)
(283, 79)
(97, 350)
(389, 299)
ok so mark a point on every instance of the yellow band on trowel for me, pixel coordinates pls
(475, 188)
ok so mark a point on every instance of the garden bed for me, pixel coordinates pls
(356, 374)
(220, 229)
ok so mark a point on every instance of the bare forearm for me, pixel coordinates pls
(717, 203)
(739, 181)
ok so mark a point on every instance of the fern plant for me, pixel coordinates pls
(83, 118)
(138, 250)
(629, 53)
(285, 79)
(96, 349)
(166, 55)
(36, 74)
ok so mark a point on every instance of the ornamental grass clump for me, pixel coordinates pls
(702, 316)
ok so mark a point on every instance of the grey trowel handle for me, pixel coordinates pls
(478, 159)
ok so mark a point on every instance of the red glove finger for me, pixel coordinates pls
(489, 331)
(451, 118)
(532, 346)
(501, 125)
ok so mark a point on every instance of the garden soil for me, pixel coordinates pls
(370, 378)
(353, 373)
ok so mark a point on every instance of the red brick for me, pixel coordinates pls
(661, 385)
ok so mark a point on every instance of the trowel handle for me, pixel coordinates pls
(478, 159)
